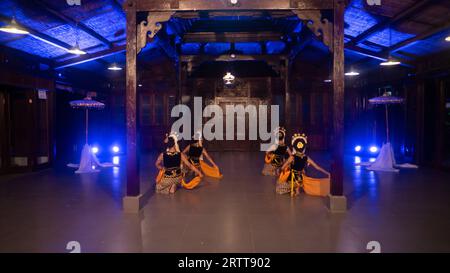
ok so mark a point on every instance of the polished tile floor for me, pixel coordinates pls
(405, 212)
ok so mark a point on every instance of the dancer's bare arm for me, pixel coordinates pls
(205, 153)
(287, 163)
(315, 165)
(158, 162)
(190, 166)
(186, 150)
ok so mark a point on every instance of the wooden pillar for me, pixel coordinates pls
(133, 187)
(420, 130)
(440, 122)
(287, 101)
(337, 200)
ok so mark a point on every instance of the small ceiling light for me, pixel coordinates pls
(114, 67)
(390, 62)
(234, 2)
(447, 38)
(327, 81)
(76, 50)
(228, 78)
(140, 85)
(14, 28)
(352, 73)
(233, 55)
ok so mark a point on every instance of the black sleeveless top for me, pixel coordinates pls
(194, 153)
(299, 163)
(172, 163)
(280, 150)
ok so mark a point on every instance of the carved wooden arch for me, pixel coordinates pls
(320, 26)
(147, 29)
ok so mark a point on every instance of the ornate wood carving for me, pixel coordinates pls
(149, 28)
(321, 27)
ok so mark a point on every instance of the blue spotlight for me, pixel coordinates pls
(358, 148)
(373, 149)
(94, 150)
(116, 160)
(115, 149)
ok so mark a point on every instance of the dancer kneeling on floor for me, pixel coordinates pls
(195, 153)
(276, 155)
(291, 178)
(169, 164)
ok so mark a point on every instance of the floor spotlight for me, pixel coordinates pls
(116, 149)
(373, 149)
(358, 148)
(94, 150)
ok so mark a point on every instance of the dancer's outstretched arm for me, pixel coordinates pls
(205, 153)
(158, 162)
(315, 165)
(186, 150)
(287, 162)
(289, 151)
(190, 166)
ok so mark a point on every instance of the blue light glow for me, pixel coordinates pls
(116, 160)
(373, 149)
(94, 149)
(358, 148)
(115, 149)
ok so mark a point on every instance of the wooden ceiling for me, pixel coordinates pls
(408, 29)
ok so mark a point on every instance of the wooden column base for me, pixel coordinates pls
(337, 203)
(133, 204)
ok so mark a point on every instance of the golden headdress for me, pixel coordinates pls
(299, 142)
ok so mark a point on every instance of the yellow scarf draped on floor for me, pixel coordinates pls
(210, 170)
(312, 186)
(191, 184)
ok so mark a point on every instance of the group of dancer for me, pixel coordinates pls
(288, 164)
(175, 166)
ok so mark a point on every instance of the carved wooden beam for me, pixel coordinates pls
(146, 30)
(226, 5)
(232, 37)
(320, 26)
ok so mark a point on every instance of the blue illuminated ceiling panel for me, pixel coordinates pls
(88, 9)
(111, 26)
(383, 37)
(108, 20)
(30, 18)
(275, 47)
(69, 35)
(36, 47)
(357, 21)
(217, 48)
(190, 48)
(248, 48)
